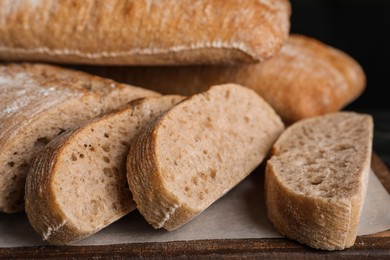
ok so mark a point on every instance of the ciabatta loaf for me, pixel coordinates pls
(306, 78)
(316, 179)
(77, 185)
(143, 31)
(197, 151)
(37, 103)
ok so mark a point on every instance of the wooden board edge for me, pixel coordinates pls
(239, 248)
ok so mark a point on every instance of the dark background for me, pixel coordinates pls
(361, 28)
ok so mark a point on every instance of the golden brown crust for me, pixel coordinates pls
(306, 78)
(143, 31)
(41, 206)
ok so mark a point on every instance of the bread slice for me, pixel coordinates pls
(316, 179)
(197, 151)
(306, 78)
(38, 102)
(77, 185)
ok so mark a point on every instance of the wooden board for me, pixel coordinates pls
(372, 246)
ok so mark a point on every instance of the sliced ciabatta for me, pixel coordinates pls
(316, 179)
(77, 185)
(38, 102)
(197, 151)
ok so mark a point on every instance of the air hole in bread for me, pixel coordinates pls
(205, 151)
(316, 180)
(106, 159)
(213, 173)
(11, 164)
(41, 142)
(106, 135)
(106, 148)
(203, 176)
(186, 188)
(107, 172)
(81, 155)
(85, 145)
(92, 149)
(92, 130)
(246, 119)
(195, 180)
(73, 157)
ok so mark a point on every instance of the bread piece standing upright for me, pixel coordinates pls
(197, 151)
(77, 185)
(39, 102)
(306, 78)
(316, 179)
(146, 32)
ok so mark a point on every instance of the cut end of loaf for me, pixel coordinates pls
(323, 158)
(316, 179)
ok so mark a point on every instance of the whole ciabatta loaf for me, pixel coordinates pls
(77, 185)
(37, 103)
(143, 31)
(197, 151)
(316, 179)
(306, 78)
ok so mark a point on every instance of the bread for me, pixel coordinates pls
(39, 102)
(77, 185)
(147, 32)
(316, 179)
(306, 78)
(197, 151)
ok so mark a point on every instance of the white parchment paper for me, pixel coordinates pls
(239, 214)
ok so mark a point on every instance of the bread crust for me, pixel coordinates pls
(330, 221)
(146, 32)
(38, 102)
(306, 78)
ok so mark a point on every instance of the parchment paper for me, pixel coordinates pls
(239, 214)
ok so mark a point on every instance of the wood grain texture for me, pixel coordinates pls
(375, 246)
